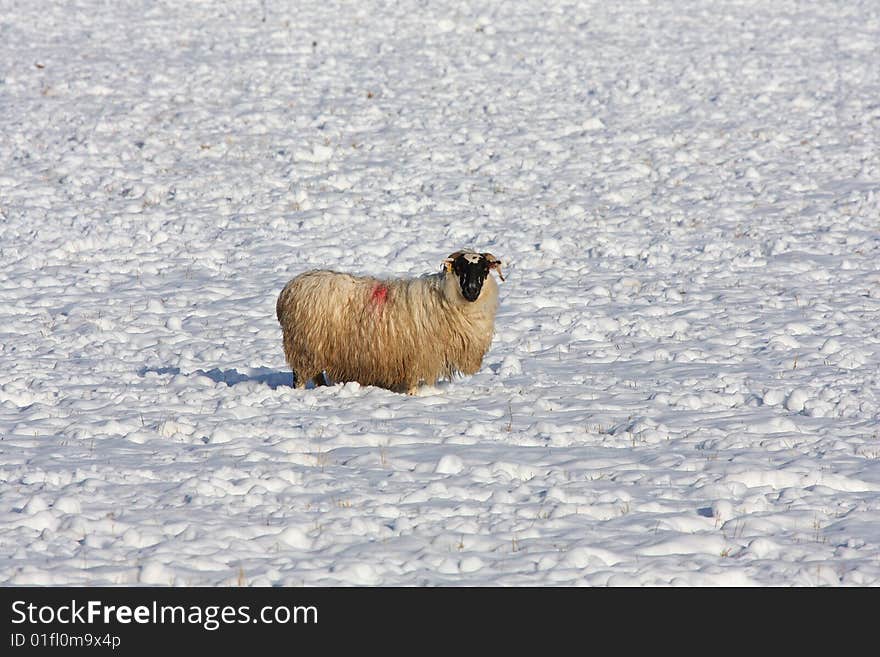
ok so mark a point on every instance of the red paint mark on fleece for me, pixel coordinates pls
(379, 295)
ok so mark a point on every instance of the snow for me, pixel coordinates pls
(683, 384)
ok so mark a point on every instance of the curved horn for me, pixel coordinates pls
(494, 263)
(447, 264)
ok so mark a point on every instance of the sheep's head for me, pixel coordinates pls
(471, 269)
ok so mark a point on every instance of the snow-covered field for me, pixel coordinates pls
(683, 388)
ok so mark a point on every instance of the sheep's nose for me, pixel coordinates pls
(471, 292)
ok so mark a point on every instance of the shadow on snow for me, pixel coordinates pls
(264, 375)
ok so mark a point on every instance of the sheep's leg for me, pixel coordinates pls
(302, 377)
(299, 382)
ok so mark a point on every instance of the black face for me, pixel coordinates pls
(471, 269)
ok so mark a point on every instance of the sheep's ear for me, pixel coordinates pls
(447, 264)
(494, 263)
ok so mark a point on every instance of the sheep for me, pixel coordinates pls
(395, 334)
